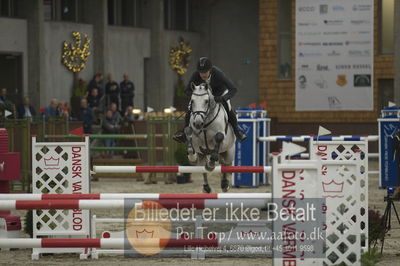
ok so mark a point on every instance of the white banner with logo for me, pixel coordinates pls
(334, 55)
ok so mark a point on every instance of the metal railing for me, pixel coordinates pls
(159, 145)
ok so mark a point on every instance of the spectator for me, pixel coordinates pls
(116, 117)
(86, 116)
(60, 108)
(112, 91)
(127, 92)
(65, 110)
(52, 110)
(95, 83)
(25, 109)
(81, 89)
(95, 101)
(3, 95)
(6, 104)
(109, 126)
(129, 116)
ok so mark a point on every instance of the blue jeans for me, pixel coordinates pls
(109, 143)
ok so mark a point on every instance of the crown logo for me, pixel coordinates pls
(51, 161)
(333, 187)
(144, 234)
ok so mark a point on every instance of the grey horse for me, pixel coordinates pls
(210, 137)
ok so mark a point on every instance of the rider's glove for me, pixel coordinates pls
(219, 99)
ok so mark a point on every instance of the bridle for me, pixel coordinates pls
(204, 114)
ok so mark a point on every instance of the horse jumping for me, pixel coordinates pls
(210, 138)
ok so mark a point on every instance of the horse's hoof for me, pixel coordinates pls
(210, 166)
(206, 188)
(225, 185)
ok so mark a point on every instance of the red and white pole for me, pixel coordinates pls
(70, 204)
(121, 242)
(181, 169)
(144, 196)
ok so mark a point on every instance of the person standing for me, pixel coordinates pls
(109, 126)
(95, 83)
(86, 116)
(112, 91)
(127, 89)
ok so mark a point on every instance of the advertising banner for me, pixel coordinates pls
(334, 55)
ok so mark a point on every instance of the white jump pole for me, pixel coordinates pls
(319, 138)
(307, 155)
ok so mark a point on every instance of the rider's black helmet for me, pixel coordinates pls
(204, 64)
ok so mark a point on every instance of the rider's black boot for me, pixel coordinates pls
(180, 136)
(233, 121)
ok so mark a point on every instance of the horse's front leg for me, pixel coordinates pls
(218, 138)
(225, 182)
(188, 132)
(192, 156)
(227, 159)
(206, 186)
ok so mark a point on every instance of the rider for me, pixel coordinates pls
(222, 89)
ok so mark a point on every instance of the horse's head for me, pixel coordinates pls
(201, 103)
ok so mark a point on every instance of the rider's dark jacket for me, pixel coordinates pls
(218, 82)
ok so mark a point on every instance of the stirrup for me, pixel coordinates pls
(240, 136)
(179, 137)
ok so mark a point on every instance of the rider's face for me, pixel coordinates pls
(205, 75)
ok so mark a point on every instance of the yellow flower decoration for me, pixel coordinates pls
(74, 56)
(179, 57)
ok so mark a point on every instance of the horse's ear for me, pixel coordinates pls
(192, 86)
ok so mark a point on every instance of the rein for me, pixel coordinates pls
(215, 117)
